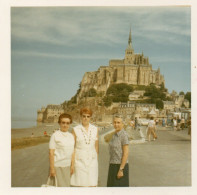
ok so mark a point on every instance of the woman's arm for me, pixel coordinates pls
(73, 155)
(97, 144)
(51, 162)
(155, 127)
(125, 149)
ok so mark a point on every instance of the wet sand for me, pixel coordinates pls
(49, 127)
(37, 130)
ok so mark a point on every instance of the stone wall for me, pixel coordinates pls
(50, 114)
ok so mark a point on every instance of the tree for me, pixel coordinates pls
(107, 101)
(140, 87)
(168, 99)
(181, 93)
(119, 92)
(159, 104)
(188, 97)
(92, 92)
(154, 92)
(73, 100)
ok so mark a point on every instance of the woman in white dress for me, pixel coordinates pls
(61, 148)
(84, 166)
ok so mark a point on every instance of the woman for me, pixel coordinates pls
(85, 159)
(189, 126)
(118, 174)
(151, 129)
(174, 124)
(182, 125)
(163, 122)
(61, 147)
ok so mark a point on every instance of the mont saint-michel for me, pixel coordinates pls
(127, 86)
(133, 69)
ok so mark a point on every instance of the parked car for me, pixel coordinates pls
(143, 121)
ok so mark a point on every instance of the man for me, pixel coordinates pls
(182, 123)
(136, 123)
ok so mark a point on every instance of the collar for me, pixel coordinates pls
(65, 133)
(119, 132)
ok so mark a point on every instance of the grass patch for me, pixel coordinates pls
(19, 143)
(108, 137)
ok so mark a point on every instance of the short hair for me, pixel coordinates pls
(151, 118)
(118, 116)
(85, 111)
(64, 115)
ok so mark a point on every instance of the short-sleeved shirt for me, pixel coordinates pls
(63, 143)
(151, 123)
(118, 140)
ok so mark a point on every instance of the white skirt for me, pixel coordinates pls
(85, 170)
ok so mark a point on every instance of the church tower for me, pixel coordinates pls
(129, 52)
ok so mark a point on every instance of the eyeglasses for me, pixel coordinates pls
(86, 116)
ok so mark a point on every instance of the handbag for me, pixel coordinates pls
(51, 182)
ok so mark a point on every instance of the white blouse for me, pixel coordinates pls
(63, 143)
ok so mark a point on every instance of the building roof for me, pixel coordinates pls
(168, 102)
(152, 112)
(145, 109)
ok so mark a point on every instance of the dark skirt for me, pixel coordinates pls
(113, 181)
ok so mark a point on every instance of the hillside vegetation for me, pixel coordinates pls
(120, 93)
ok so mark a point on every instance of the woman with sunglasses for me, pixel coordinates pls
(84, 166)
(61, 147)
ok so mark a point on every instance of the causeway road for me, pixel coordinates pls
(164, 162)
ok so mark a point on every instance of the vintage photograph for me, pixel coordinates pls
(101, 96)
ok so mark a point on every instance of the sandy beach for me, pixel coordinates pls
(37, 130)
(49, 127)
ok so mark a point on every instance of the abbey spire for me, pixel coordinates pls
(130, 40)
(129, 52)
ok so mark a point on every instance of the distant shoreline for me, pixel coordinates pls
(36, 130)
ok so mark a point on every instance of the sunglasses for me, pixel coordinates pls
(65, 123)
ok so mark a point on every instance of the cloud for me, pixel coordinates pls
(67, 26)
(170, 60)
(59, 56)
(94, 56)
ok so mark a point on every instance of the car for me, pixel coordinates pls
(143, 121)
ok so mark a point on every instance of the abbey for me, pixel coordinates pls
(133, 69)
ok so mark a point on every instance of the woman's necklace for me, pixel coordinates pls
(87, 141)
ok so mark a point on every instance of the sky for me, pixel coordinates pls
(52, 48)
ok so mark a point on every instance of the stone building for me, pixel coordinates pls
(136, 94)
(169, 105)
(133, 96)
(49, 114)
(133, 69)
(130, 109)
(186, 103)
(179, 101)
